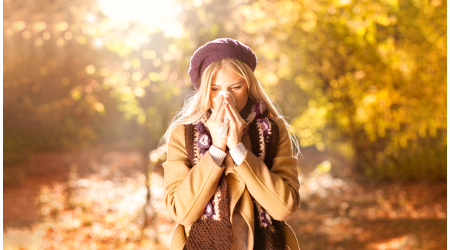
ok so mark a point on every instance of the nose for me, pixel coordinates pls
(230, 99)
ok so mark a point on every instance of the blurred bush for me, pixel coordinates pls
(79, 79)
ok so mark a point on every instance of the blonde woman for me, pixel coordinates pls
(230, 179)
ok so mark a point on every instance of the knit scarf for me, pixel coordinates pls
(213, 229)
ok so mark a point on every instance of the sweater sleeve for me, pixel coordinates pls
(217, 154)
(238, 153)
(186, 189)
(277, 190)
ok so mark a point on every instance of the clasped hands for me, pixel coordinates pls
(236, 123)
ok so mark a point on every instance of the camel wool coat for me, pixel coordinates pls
(187, 190)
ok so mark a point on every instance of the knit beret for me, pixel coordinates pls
(215, 50)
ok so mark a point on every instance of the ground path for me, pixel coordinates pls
(96, 199)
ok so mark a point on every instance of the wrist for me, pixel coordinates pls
(223, 148)
(238, 153)
(232, 145)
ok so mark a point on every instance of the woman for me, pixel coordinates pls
(232, 191)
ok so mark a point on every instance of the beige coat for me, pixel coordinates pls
(187, 190)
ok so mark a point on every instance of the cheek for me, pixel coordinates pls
(241, 99)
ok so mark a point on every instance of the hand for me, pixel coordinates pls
(214, 122)
(237, 125)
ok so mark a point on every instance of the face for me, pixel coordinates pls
(229, 81)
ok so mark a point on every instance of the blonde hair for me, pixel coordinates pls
(197, 104)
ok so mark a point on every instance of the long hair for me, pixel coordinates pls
(198, 101)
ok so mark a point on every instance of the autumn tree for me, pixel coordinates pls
(365, 79)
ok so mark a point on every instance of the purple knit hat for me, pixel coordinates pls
(215, 50)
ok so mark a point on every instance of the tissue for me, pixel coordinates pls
(223, 130)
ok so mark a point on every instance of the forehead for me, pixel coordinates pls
(225, 77)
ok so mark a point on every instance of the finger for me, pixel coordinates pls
(234, 111)
(230, 116)
(221, 113)
(217, 107)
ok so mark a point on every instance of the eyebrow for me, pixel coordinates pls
(212, 84)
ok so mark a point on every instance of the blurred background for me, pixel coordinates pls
(89, 88)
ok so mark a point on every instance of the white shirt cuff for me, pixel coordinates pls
(217, 155)
(238, 153)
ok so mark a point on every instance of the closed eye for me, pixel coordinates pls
(236, 88)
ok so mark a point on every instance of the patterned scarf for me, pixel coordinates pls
(213, 229)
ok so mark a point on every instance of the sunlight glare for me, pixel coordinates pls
(98, 42)
(142, 11)
(90, 18)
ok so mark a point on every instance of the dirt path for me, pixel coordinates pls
(96, 199)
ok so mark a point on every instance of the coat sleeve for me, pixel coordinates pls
(186, 189)
(277, 190)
